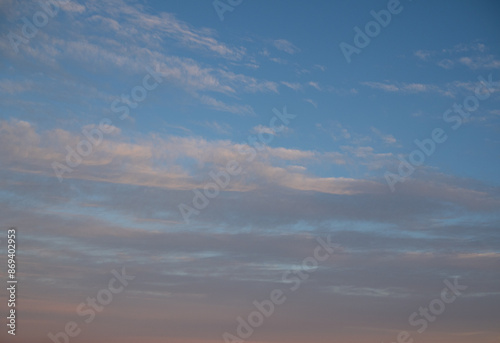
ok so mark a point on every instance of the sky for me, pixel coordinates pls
(251, 171)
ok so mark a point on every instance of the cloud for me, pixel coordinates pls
(314, 85)
(72, 6)
(471, 55)
(335, 130)
(119, 207)
(93, 51)
(446, 63)
(291, 154)
(382, 86)
(423, 55)
(163, 24)
(292, 85)
(286, 46)
(312, 102)
(402, 87)
(480, 62)
(366, 155)
(264, 129)
(155, 162)
(221, 106)
(388, 139)
(13, 87)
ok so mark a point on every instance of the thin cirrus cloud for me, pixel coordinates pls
(185, 72)
(474, 56)
(405, 87)
(286, 46)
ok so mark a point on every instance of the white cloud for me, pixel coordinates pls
(314, 85)
(295, 85)
(222, 106)
(290, 154)
(481, 62)
(388, 139)
(263, 129)
(286, 46)
(134, 20)
(337, 131)
(471, 55)
(407, 87)
(118, 21)
(72, 6)
(446, 63)
(382, 86)
(422, 54)
(366, 155)
(312, 102)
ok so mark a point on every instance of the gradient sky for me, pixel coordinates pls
(324, 173)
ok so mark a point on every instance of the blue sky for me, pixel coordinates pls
(214, 84)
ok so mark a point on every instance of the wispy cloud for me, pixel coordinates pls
(388, 139)
(263, 129)
(286, 46)
(472, 56)
(131, 23)
(312, 102)
(292, 85)
(222, 106)
(165, 24)
(314, 85)
(481, 62)
(402, 87)
(13, 87)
